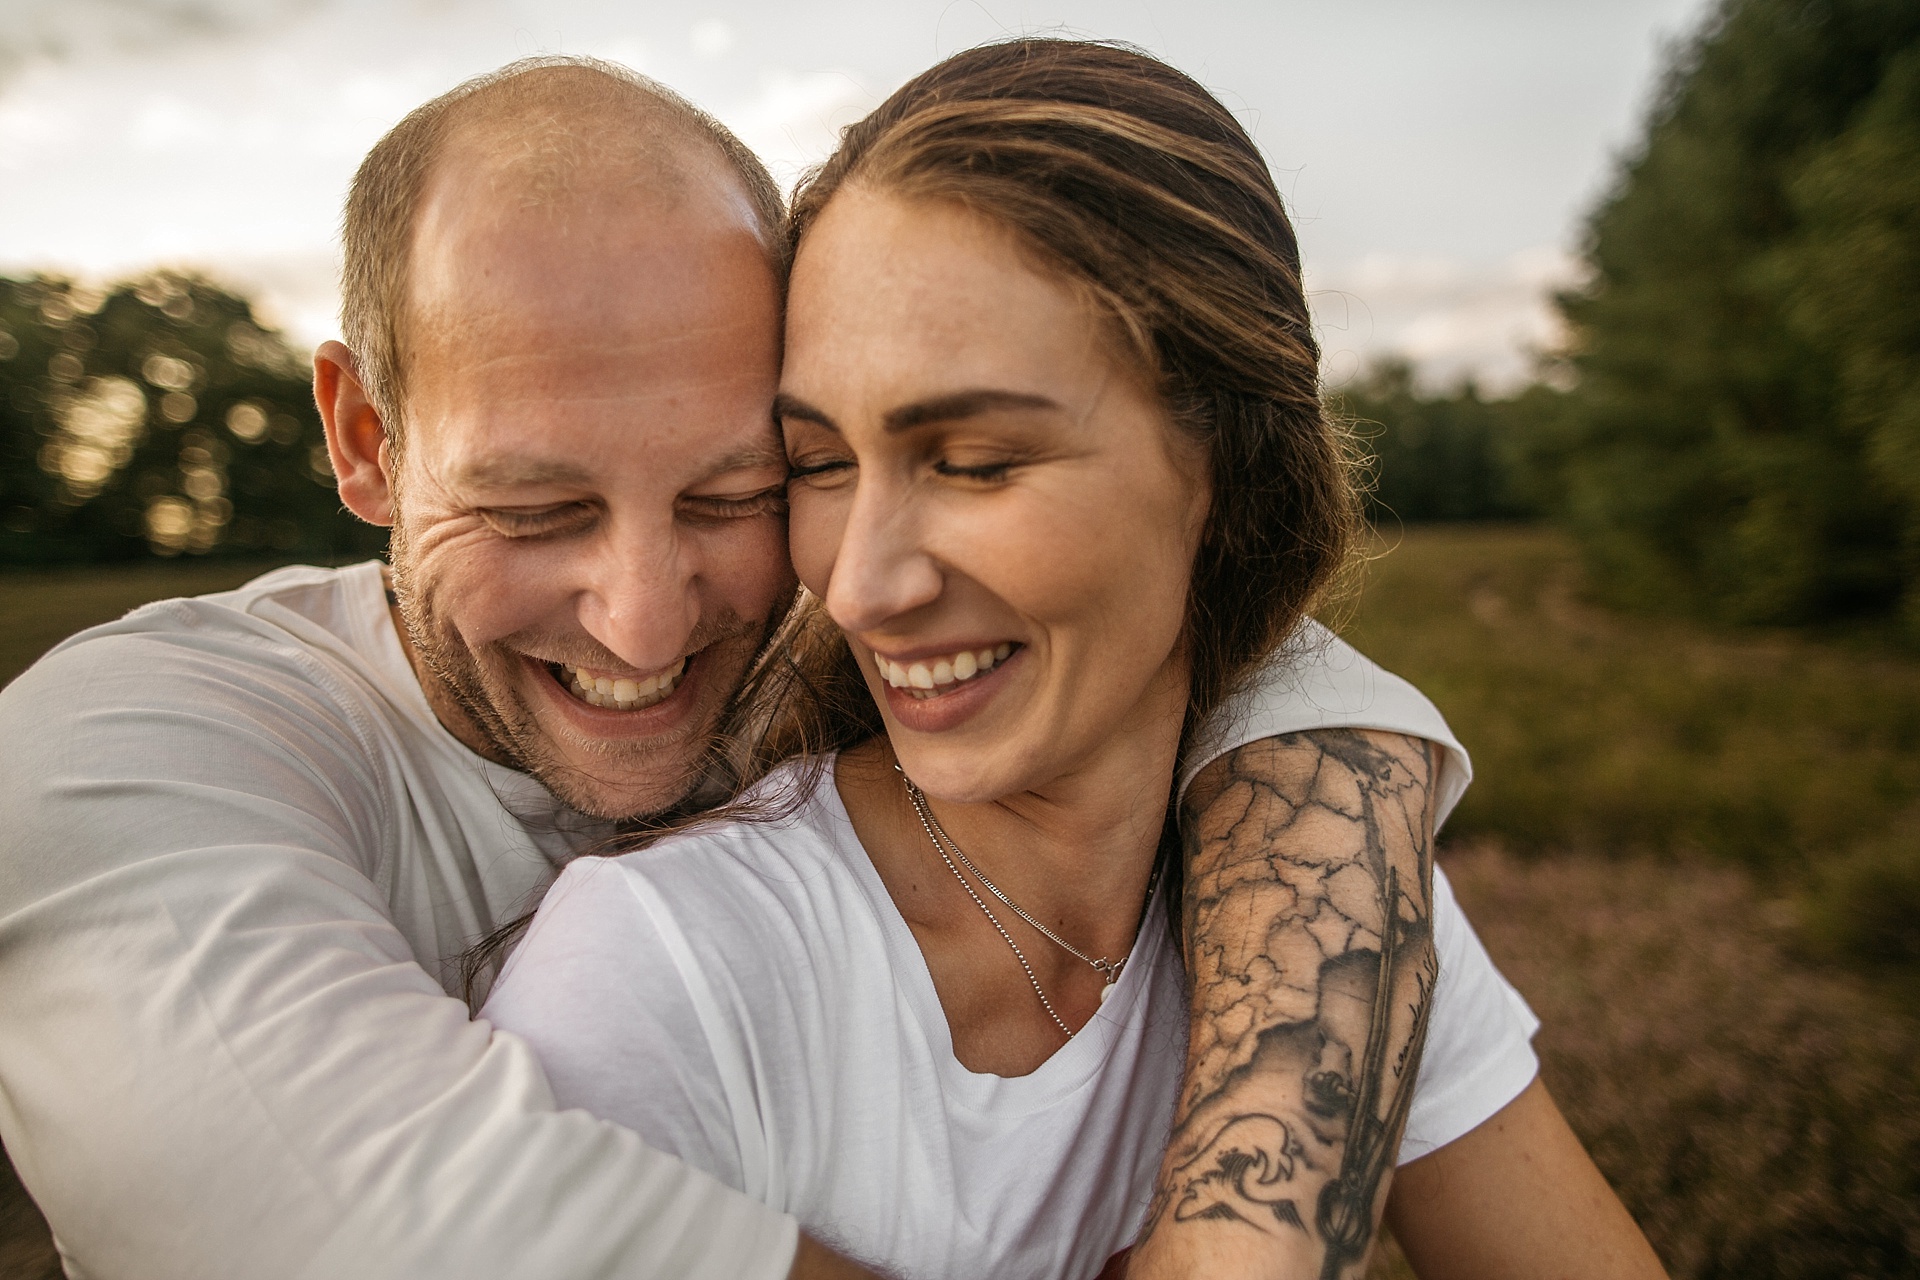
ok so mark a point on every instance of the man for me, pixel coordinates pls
(244, 840)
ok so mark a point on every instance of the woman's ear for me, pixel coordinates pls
(357, 444)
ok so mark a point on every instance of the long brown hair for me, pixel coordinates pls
(1142, 190)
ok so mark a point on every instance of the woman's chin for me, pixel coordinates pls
(955, 778)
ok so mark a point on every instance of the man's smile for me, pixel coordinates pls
(619, 691)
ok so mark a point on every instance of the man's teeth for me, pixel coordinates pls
(929, 677)
(620, 692)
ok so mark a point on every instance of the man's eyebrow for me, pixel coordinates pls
(947, 408)
(505, 473)
(757, 455)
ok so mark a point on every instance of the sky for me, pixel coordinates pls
(1438, 156)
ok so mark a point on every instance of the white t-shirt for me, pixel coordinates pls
(238, 853)
(748, 997)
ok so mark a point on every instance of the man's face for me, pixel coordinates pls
(590, 538)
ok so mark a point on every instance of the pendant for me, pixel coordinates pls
(1106, 991)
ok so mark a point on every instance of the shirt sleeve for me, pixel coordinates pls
(1479, 1052)
(600, 989)
(1319, 681)
(220, 1057)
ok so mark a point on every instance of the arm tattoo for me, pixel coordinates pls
(1309, 938)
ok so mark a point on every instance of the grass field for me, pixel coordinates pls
(1688, 849)
(38, 610)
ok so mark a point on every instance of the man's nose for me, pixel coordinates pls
(883, 568)
(641, 598)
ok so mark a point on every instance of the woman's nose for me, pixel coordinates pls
(882, 570)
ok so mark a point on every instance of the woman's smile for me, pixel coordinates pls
(941, 673)
(920, 700)
(989, 500)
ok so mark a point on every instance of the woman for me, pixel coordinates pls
(1060, 483)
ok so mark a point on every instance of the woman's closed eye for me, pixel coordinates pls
(809, 468)
(988, 472)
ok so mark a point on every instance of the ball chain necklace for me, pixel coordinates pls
(943, 844)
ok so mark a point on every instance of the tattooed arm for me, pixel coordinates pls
(1309, 936)
(1308, 928)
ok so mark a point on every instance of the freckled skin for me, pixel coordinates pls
(1061, 519)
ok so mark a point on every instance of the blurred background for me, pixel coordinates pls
(1621, 299)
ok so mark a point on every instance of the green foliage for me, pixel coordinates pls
(1595, 730)
(1725, 451)
(157, 419)
(1435, 457)
(1854, 281)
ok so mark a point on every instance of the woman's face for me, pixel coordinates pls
(994, 507)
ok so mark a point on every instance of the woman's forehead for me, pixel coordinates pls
(906, 289)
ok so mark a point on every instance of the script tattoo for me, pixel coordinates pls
(1308, 928)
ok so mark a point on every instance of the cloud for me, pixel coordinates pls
(795, 118)
(1453, 318)
(61, 30)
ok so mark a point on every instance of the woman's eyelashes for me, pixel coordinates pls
(983, 471)
(826, 470)
(806, 469)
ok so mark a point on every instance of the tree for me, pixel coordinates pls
(1435, 457)
(1707, 457)
(157, 418)
(1854, 280)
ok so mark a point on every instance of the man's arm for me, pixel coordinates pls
(1308, 927)
(220, 1058)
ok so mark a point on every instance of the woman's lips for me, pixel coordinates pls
(945, 706)
(935, 676)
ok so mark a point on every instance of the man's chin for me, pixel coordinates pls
(619, 795)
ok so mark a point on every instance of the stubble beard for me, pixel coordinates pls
(480, 686)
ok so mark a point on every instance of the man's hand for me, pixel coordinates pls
(1308, 929)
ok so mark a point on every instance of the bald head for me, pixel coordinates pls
(554, 148)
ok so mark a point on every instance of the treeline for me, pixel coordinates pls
(1742, 436)
(1434, 457)
(157, 418)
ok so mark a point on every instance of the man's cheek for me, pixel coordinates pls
(754, 574)
(491, 591)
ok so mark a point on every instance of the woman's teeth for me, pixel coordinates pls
(621, 692)
(930, 677)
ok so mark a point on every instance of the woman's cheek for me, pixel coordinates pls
(815, 524)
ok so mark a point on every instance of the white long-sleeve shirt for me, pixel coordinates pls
(238, 854)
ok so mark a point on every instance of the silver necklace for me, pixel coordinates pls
(943, 843)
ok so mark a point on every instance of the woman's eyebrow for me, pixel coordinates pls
(792, 406)
(947, 408)
(962, 404)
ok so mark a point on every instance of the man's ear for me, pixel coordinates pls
(356, 438)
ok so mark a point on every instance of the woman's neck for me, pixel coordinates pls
(1076, 852)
